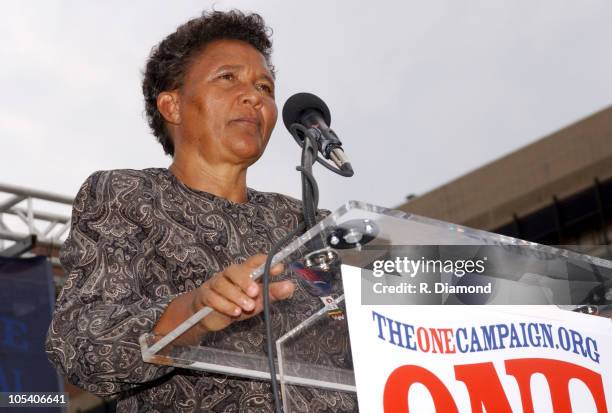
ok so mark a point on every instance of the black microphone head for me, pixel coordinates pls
(299, 103)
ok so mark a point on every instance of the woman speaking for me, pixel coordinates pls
(147, 249)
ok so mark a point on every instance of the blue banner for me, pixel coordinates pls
(26, 304)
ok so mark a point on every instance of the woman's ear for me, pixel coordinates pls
(168, 105)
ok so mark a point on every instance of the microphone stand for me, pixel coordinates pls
(308, 139)
(310, 192)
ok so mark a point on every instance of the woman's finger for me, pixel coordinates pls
(224, 287)
(207, 297)
(240, 274)
(281, 290)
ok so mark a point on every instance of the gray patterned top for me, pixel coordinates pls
(139, 238)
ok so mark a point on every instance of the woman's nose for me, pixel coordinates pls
(251, 96)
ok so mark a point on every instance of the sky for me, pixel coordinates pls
(420, 92)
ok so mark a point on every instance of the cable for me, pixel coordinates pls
(310, 201)
(266, 299)
(313, 184)
(299, 131)
(309, 151)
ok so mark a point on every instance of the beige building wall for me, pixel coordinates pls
(526, 180)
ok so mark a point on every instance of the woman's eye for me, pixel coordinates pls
(227, 76)
(265, 88)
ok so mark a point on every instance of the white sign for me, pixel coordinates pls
(493, 359)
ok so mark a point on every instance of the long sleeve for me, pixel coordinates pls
(103, 309)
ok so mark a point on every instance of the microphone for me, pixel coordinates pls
(310, 111)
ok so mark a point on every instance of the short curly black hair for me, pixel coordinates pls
(169, 60)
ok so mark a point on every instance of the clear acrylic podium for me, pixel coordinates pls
(313, 350)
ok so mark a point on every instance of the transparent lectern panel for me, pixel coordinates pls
(361, 235)
(328, 365)
(239, 349)
(513, 271)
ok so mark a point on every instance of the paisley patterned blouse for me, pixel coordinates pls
(138, 239)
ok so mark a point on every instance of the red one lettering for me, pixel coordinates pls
(398, 384)
(558, 374)
(484, 387)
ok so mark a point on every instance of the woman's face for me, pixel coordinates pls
(226, 104)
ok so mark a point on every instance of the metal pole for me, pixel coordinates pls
(25, 192)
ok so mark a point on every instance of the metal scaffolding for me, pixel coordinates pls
(24, 226)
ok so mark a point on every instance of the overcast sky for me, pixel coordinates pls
(420, 92)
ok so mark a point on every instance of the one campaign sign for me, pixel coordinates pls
(494, 359)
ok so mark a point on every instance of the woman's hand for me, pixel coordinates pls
(234, 295)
